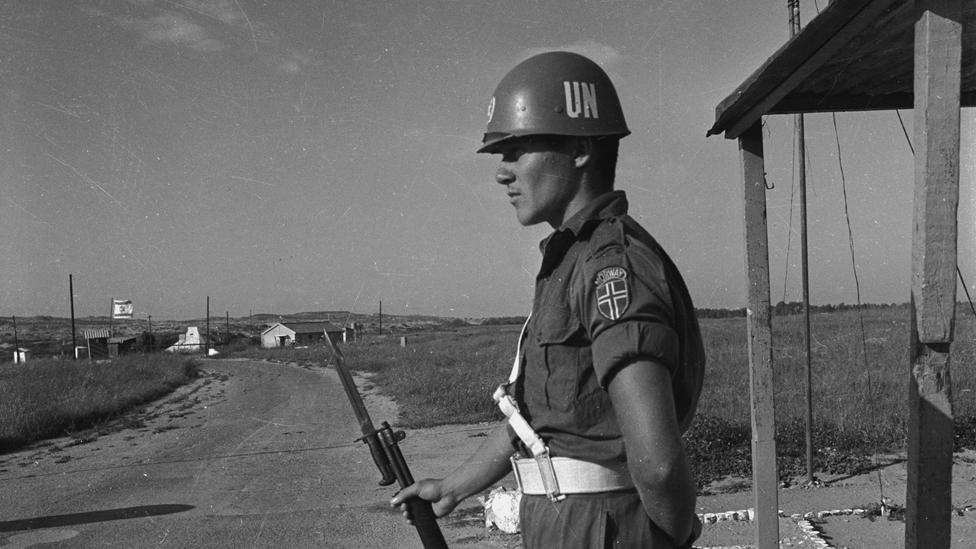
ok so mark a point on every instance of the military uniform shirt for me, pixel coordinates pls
(607, 294)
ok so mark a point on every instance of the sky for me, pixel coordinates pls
(289, 156)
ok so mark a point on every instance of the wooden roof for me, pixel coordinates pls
(855, 55)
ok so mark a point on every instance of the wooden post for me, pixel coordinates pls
(759, 327)
(938, 54)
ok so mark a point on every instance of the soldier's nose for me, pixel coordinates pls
(504, 177)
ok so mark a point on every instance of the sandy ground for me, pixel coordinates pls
(840, 512)
(845, 512)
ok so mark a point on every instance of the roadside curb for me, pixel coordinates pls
(806, 522)
(803, 522)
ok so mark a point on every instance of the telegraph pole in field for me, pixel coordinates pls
(16, 342)
(801, 166)
(71, 292)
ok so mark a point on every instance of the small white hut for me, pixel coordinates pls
(190, 342)
(281, 334)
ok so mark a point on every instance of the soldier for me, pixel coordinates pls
(610, 362)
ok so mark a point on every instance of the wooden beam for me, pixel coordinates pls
(824, 36)
(834, 44)
(806, 103)
(759, 331)
(938, 55)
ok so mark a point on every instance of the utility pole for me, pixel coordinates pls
(16, 342)
(801, 163)
(71, 292)
(206, 347)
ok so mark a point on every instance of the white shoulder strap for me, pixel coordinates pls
(509, 407)
(517, 363)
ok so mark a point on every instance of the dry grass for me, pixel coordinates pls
(441, 378)
(859, 403)
(44, 398)
(859, 385)
(851, 389)
(448, 377)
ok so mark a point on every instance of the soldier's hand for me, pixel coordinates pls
(428, 489)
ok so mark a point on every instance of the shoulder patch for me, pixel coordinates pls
(612, 292)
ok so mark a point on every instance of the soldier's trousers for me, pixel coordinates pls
(589, 521)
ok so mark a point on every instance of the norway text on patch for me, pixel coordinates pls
(612, 292)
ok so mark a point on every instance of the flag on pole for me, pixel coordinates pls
(121, 308)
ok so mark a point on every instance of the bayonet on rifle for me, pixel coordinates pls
(387, 456)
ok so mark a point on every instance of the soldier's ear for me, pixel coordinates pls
(583, 154)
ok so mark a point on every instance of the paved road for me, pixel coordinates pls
(255, 454)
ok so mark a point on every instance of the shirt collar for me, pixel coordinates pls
(606, 205)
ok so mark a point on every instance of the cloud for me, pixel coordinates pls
(604, 55)
(193, 26)
(171, 28)
(176, 27)
(225, 11)
(293, 61)
(196, 24)
(177, 30)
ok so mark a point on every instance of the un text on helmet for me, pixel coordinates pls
(580, 99)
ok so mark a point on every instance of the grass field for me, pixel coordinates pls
(859, 386)
(50, 397)
(850, 388)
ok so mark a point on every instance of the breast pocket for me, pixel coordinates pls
(559, 339)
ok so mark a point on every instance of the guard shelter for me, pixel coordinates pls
(860, 55)
(96, 339)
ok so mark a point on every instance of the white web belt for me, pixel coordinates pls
(572, 476)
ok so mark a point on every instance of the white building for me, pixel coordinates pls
(190, 342)
(281, 334)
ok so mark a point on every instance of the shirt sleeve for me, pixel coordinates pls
(626, 306)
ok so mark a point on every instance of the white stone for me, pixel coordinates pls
(502, 510)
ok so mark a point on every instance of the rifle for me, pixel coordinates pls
(389, 460)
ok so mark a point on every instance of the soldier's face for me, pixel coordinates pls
(540, 178)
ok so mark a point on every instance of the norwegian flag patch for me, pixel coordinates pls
(612, 292)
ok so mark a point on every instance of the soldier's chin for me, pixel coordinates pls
(526, 219)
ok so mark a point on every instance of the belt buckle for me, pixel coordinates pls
(548, 474)
(515, 470)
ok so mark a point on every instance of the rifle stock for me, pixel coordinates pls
(388, 457)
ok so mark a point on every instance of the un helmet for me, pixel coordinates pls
(560, 93)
